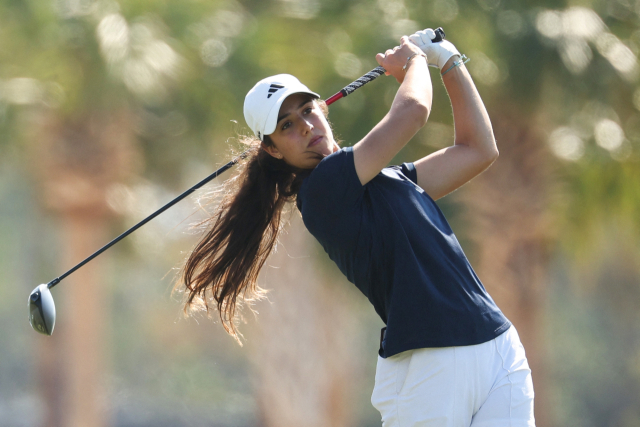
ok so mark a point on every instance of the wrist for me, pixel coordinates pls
(443, 51)
(448, 63)
(453, 62)
(411, 58)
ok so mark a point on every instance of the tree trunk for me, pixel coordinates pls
(76, 162)
(86, 301)
(507, 215)
(303, 348)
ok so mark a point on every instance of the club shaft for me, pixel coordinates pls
(150, 217)
(357, 84)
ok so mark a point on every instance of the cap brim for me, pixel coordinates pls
(272, 118)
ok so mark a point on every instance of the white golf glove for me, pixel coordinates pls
(437, 53)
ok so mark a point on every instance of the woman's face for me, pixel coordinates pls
(303, 136)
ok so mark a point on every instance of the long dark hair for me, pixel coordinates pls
(223, 267)
(225, 264)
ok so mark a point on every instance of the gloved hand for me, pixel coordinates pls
(437, 53)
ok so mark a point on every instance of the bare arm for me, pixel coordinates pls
(408, 113)
(474, 148)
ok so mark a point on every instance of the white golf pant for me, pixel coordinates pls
(485, 385)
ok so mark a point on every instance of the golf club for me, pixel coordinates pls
(42, 310)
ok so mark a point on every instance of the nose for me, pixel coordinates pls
(307, 126)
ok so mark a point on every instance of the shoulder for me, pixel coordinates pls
(333, 182)
(337, 161)
(333, 169)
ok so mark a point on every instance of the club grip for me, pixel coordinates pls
(373, 74)
(439, 35)
(378, 71)
(357, 84)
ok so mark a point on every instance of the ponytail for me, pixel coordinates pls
(225, 264)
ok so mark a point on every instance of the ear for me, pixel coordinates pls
(272, 150)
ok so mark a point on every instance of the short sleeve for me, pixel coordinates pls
(409, 170)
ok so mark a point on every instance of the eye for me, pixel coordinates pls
(286, 125)
(308, 110)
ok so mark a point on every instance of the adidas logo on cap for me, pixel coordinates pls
(273, 89)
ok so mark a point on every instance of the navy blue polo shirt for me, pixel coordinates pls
(392, 241)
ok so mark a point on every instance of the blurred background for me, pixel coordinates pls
(108, 109)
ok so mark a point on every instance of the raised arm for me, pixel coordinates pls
(474, 148)
(409, 110)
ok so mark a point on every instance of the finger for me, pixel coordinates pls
(430, 34)
(415, 39)
(405, 41)
(380, 59)
(425, 36)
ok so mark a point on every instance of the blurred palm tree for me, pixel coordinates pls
(559, 86)
(85, 85)
(95, 91)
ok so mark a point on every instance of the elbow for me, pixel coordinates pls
(418, 110)
(491, 155)
(411, 113)
(494, 154)
(423, 112)
(486, 151)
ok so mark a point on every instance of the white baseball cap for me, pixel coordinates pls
(262, 103)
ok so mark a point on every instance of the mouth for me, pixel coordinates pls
(315, 140)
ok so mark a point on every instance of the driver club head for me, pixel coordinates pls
(42, 310)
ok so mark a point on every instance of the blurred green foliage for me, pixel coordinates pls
(181, 70)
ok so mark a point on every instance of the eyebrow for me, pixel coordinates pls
(300, 106)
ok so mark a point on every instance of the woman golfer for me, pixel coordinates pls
(448, 356)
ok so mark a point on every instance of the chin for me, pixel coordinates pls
(330, 148)
(314, 163)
